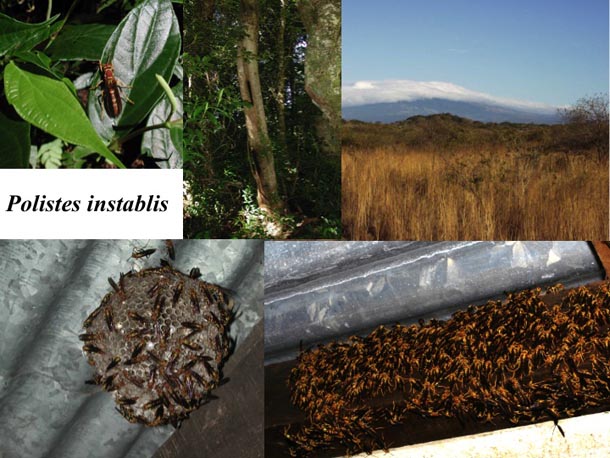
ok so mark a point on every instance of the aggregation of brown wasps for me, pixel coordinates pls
(158, 341)
(522, 360)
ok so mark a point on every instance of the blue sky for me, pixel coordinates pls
(552, 52)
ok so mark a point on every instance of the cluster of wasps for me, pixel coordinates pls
(522, 360)
(158, 341)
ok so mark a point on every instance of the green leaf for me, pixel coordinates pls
(80, 42)
(16, 35)
(178, 71)
(14, 143)
(165, 143)
(75, 159)
(146, 42)
(176, 133)
(40, 59)
(37, 58)
(50, 154)
(105, 4)
(168, 92)
(70, 85)
(49, 105)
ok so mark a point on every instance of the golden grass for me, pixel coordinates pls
(390, 193)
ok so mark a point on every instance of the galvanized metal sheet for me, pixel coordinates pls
(47, 289)
(345, 288)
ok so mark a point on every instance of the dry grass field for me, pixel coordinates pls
(397, 192)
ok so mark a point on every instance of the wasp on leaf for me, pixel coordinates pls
(111, 90)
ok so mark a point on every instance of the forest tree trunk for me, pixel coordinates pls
(322, 20)
(256, 123)
(281, 76)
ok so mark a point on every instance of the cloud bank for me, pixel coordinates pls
(367, 92)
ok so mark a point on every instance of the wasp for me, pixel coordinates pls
(152, 404)
(126, 401)
(142, 253)
(191, 363)
(191, 345)
(114, 285)
(136, 316)
(195, 300)
(195, 273)
(207, 366)
(554, 289)
(159, 412)
(89, 321)
(155, 358)
(159, 303)
(137, 350)
(109, 383)
(155, 289)
(137, 382)
(176, 396)
(115, 361)
(170, 249)
(89, 337)
(111, 95)
(178, 292)
(210, 316)
(198, 327)
(92, 349)
(138, 333)
(109, 318)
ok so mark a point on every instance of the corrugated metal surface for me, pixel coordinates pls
(47, 288)
(345, 288)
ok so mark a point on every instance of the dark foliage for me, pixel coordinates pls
(218, 166)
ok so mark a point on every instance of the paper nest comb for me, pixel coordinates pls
(158, 341)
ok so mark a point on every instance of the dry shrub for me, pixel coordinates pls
(395, 193)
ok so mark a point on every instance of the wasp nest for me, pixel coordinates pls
(523, 360)
(157, 341)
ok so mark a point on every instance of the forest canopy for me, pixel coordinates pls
(262, 155)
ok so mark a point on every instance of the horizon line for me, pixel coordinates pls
(366, 92)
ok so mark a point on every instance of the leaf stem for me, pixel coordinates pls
(138, 132)
(62, 22)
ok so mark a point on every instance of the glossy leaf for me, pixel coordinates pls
(178, 71)
(14, 143)
(80, 42)
(16, 35)
(146, 42)
(49, 105)
(166, 144)
(105, 4)
(176, 132)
